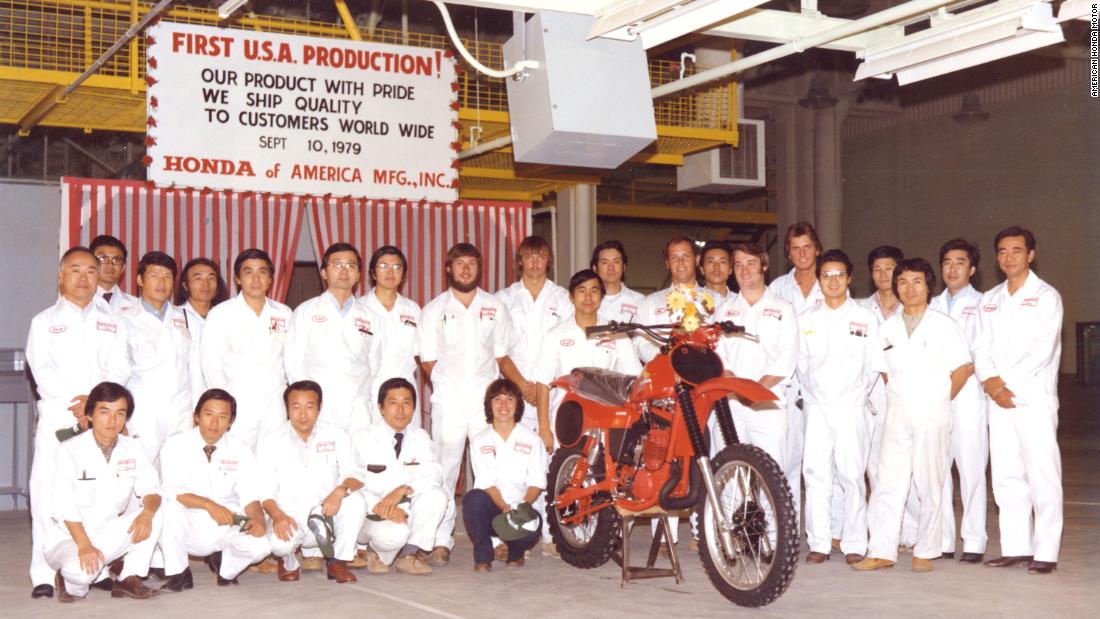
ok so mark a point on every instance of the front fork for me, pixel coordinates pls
(695, 433)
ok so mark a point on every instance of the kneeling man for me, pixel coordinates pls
(208, 476)
(313, 477)
(105, 502)
(404, 485)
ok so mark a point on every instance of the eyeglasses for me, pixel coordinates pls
(104, 259)
(344, 266)
(382, 268)
(833, 275)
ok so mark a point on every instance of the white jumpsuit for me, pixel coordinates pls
(69, 351)
(337, 347)
(105, 497)
(915, 436)
(622, 306)
(969, 434)
(301, 474)
(195, 324)
(120, 301)
(532, 318)
(159, 352)
(243, 354)
(1020, 341)
(839, 357)
(396, 331)
(383, 470)
(465, 343)
(231, 477)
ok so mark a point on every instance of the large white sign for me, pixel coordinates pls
(241, 110)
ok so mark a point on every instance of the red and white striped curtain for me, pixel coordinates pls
(424, 232)
(183, 223)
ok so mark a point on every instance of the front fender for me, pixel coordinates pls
(750, 391)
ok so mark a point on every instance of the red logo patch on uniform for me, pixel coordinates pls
(489, 449)
(58, 329)
(326, 446)
(128, 464)
(490, 312)
(319, 318)
(630, 309)
(566, 342)
(109, 327)
(1030, 302)
(228, 465)
(179, 323)
(277, 324)
(606, 343)
(523, 448)
(773, 313)
(992, 307)
(732, 312)
(660, 310)
(362, 323)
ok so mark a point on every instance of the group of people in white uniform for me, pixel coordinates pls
(248, 434)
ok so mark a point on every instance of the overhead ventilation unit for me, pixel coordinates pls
(958, 41)
(727, 169)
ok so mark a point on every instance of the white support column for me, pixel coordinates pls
(576, 228)
(827, 196)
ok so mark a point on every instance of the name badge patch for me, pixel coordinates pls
(319, 318)
(630, 309)
(228, 465)
(773, 313)
(179, 323)
(488, 312)
(277, 324)
(992, 307)
(1032, 302)
(128, 464)
(489, 449)
(109, 327)
(857, 329)
(606, 343)
(970, 310)
(326, 446)
(523, 448)
(408, 321)
(58, 329)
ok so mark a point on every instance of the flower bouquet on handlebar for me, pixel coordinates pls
(639, 442)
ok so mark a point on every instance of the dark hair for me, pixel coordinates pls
(1029, 238)
(106, 240)
(752, 249)
(801, 228)
(395, 383)
(581, 277)
(960, 244)
(463, 250)
(502, 386)
(338, 247)
(606, 245)
(252, 254)
(833, 255)
(159, 259)
(302, 385)
(916, 265)
(387, 250)
(183, 294)
(712, 245)
(534, 244)
(77, 249)
(680, 239)
(108, 392)
(884, 251)
(220, 395)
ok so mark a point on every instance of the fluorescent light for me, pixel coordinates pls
(1075, 9)
(229, 7)
(966, 39)
(660, 21)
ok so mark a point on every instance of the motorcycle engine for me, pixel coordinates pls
(648, 478)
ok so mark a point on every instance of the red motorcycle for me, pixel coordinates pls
(640, 441)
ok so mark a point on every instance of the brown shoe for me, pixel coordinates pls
(836, 545)
(413, 565)
(440, 556)
(359, 562)
(338, 571)
(268, 566)
(63, 596)
(870, 564)
(375, 565)
(500, 552)
(853, 558)
(921, 565)
(1041, 567)
(817, 557)
(1007, 561)
(483, 567)
(902, 548)
(312, 564)
(520, 562)
(693, 545)
(132, 587)
(286, 575)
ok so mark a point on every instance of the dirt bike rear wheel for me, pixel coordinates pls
(756, 498)
(591, 542)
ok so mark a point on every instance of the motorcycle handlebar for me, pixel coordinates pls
(620, 327)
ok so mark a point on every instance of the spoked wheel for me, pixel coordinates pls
(760, 524)
(589, 542)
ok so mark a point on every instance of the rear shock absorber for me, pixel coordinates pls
(691, 420)
(588, 458)
(725, 422)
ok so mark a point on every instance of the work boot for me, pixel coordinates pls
(375, 565)
(338, 570)
(132, 587)
(440, 556)
(921, 565)
(870, 564)
(413, 565)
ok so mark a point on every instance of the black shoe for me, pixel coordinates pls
(1041, 567)
(947, 555)
(179, 582)
(107, 584)
(971, 557)
(214, 562)
(42, 591)
(158, 573)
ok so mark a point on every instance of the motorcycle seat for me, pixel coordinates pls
(603, 386)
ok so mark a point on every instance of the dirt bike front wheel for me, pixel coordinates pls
(590, 542)
(760, 524)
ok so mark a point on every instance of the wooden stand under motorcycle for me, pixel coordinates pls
(638, 442)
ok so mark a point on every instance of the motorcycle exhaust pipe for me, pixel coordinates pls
(687, 501)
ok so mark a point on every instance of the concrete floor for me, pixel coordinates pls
(549, 588)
